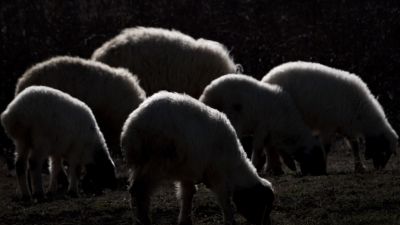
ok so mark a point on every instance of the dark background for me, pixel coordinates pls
(358, 36)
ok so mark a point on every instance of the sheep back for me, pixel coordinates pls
(167, 59)
(111, 93)
(175, 137)
(50, 123)
(182, 131)
(267, 113)
(333, 100)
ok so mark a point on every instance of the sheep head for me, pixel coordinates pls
(255, 203)
(101, 173)
(379, 149)
(312, 161)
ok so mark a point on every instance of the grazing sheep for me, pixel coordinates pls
(173, 137)
(335, 101)
(167, 59)
(267, 113)
(110, 93)
(46, 123)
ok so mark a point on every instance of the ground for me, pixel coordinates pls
(342, 197)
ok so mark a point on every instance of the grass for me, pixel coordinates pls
(340, 198)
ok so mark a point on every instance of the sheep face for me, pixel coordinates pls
(308, 152)
(100, 174)
(379, 149)
(312, 160)
(255, 203)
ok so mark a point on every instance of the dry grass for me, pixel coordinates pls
(339, 198)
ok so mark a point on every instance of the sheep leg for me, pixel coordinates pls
(274, 165)
(141, 190)
(359, 167)
(21, 170)
(35, 167)
(186, 190)
(258, 157)
(224, 200)
(74, 172)
(55, 169)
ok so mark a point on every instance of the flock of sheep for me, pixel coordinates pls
(292, 114)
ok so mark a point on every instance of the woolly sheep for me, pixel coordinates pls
(267, 113)
(173, 137)
(332, 100)
(111, 93)
(46, 123)
(167, 59)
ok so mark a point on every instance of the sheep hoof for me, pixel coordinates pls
(360, 168)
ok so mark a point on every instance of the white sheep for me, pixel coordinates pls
(335, 101)
(167, 59)
(45, 123)
(173, 137)
(267, 113)
(111, 93)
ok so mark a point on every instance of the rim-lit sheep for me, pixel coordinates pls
(111, 93)
(173, 137)
(45, 123)
(267, 113)
(335, 101)
(167, 59)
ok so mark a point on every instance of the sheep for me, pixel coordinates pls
(335, 101)
(111, 93)
(267, 113)
(45, 123)
(167, 59)
(174, 137)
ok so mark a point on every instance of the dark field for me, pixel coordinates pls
(358, 36)
(340, 198)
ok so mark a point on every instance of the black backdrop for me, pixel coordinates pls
(359, 36)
